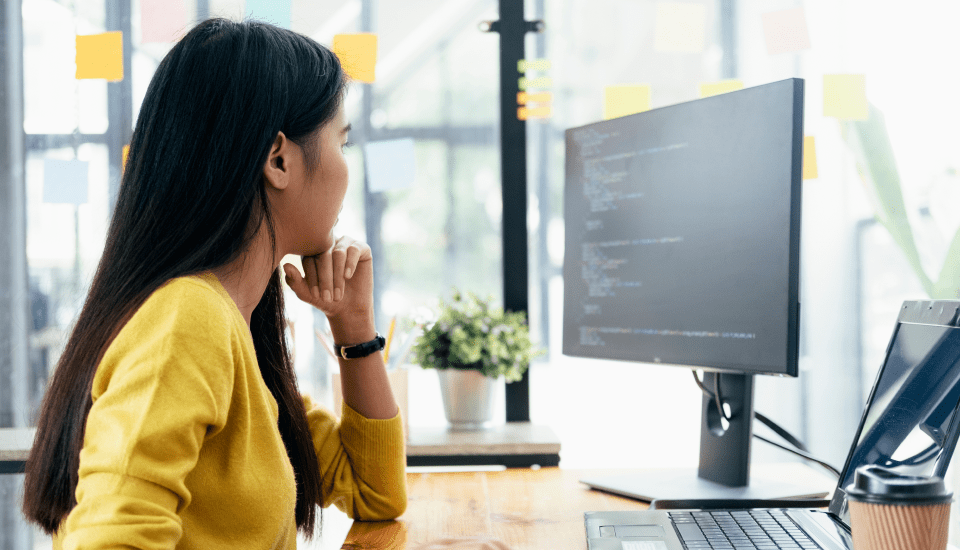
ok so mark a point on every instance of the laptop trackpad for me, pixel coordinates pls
(639, 531)
(643, 545)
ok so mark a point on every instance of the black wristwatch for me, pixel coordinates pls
(356, 351)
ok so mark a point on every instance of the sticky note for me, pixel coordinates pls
(541, 112)
(786, 31)
(358, 54)
(126, 153)
(100, 56)
(681, 27)
(539, 97)
(65, 181)
(809, 158)
(525, 65)
(625, 99)
(162, 20)
(525, 83)
(390, 164)
(845, 96)
(277, 12)
(708, 89)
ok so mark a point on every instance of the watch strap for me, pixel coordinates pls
(357, 351)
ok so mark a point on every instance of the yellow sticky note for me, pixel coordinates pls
(126, 153)
(100, 56)
(708, 89)
(526, 83)
(845, 96)
(525, 65)
(681, 27)
(358, 55)
(809, 158)
(625, 99)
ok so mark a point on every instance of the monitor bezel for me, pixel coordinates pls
(791, 363)
(839, 497)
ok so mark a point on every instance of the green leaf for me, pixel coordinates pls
(870, 146)
(948, 284)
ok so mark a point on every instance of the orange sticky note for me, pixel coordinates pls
(681, 27)
(358, 55)
(786, 31)
(528, 113)
(708, 89)
(845, 96)
(100, 56)
(529, 97)
(126, 153)
(625, 99)
(809, 159)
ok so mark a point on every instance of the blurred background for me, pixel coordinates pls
(437, 86)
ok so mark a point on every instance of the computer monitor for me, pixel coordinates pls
(683, 248)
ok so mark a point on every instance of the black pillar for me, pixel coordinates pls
(513, 169)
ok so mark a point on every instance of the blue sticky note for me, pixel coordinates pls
(65, 181)
(390, 164)
(276, 12)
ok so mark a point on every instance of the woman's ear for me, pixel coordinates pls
(276, 172)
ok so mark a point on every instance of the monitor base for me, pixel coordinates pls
(684, 484)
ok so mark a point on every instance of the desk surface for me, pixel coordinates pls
(520, 508)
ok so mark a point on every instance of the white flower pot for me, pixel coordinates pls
(467, 398)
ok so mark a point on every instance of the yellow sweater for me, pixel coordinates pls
(182, 448)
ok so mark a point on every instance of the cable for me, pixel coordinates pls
(801, 449)
(802, 454)
(715, 395)
(781, 432)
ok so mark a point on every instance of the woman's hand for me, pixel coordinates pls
(340, 283)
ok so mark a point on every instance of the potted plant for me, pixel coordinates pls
(472, 345)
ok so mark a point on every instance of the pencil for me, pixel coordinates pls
(386, 349)
(324, 342)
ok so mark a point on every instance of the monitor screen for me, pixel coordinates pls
(682, 233)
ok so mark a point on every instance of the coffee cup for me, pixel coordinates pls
(894, 511)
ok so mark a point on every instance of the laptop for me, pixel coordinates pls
(909, 424)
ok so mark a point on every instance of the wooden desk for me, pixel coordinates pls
(522, 509)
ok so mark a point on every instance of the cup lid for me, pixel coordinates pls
(878, 485)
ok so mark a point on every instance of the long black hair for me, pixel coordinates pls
(192, 190)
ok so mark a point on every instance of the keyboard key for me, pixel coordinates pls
(689, 532)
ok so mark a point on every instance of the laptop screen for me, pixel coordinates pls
(910, 422)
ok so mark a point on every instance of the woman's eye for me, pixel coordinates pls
(347, 144)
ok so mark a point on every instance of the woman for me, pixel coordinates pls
(173, 418)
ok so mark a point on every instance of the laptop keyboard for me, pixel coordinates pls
(740, 530)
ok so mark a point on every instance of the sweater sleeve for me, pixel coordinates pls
(163, 386)
(362, 462)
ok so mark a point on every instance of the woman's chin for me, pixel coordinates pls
(313, 249)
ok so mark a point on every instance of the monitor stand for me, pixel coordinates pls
(724, 470)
